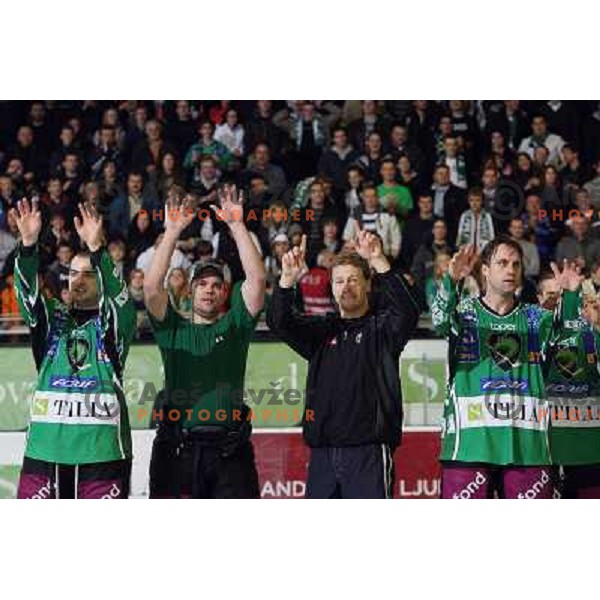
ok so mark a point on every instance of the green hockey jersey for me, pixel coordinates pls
(495, 410)
(78, 410)
(573, 391)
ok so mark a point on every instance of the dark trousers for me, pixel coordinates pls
(581, 482)
(351, 472)
(202, 469)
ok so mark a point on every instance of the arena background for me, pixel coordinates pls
(481, 144)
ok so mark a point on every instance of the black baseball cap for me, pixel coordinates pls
(209, 268)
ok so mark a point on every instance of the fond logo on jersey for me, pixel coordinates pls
(537, 488)
(43, 493)
(112, 494)
(80, 383)
(487, 383)
(472, 488)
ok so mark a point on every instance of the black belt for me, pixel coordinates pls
(226, 439)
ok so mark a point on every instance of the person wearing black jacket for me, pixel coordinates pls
(181, 129)
(370, 122)
(260, 129)
(311, 219)
(336, 161)
(421, 124)
(449, 201)
(353, 417)
(511, 121)
(418, 228)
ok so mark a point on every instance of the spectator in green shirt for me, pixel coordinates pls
(207, 146)
(395, 198)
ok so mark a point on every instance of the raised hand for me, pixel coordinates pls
(368, 245)
(29, 221)
(293, 264)
(89, 227)
(463, 262)
(570, 278)
(231, 203)
(178, 214)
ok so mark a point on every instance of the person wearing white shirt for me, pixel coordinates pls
(371, 217)
(231, 134)
(476, 226)
(541, 137)
(455, 161)
(178, 260)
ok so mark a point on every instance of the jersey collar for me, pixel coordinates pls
(497, 314)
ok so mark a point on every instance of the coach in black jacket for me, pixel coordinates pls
(353, 384)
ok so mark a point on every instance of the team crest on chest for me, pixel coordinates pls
(78, 350)
(566, 362)
(505, 349)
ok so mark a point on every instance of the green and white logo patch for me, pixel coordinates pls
(505, 349)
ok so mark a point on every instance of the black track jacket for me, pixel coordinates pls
(353, 383)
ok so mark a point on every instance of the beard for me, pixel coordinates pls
(84, 298)
(350, 302)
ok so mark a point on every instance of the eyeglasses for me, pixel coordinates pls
(87, 273)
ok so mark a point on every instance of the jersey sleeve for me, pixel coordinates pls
(116, 307)
(443, 310)
(36, 310)
(553, 323)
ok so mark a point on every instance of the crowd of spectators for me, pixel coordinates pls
(426, 176)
